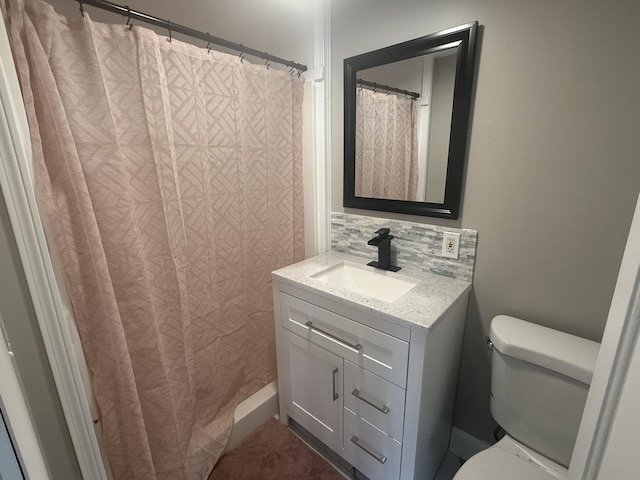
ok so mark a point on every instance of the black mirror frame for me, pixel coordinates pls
(465, 36)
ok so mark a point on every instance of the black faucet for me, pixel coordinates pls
(383, 242)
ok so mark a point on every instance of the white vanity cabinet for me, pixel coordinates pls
(378, 393)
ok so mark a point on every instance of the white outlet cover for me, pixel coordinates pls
(450, 245)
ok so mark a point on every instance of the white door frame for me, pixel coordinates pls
(619, 342)
(320, 75)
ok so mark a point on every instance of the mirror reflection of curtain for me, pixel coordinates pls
(386, 146)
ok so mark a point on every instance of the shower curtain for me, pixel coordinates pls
(386, 146)
(169, 182)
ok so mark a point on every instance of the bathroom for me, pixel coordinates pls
(552, 172)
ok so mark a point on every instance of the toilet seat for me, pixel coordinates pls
(497, 463)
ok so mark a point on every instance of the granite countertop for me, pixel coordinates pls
(420, 308)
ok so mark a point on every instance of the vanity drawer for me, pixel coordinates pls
(371, 451)
(378, 401)
(371, 349)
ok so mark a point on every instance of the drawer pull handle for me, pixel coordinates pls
(384, 409)
(380, 458)
(311, 326)
(335, 394)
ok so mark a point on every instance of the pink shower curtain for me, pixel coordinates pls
(169, 181)
(386, 146)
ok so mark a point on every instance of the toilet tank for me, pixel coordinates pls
(539, 383)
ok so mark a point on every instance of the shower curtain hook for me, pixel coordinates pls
(208, 43)
(169, 28)
(241, 53)
(266, 62)
(129, 17)
(81, 9)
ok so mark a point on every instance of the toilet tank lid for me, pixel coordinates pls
(561, 352)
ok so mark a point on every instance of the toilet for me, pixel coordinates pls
(540, 378)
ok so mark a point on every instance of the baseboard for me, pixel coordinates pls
(465, 445)
(253, 412)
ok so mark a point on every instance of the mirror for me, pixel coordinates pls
(406, 121)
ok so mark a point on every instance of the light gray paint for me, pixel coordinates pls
(444, 79)
(33, 367)
(553, 164)
(406, 75)
(281, 27)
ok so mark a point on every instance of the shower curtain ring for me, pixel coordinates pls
(208, 43)
(169, 28)
(129, 17)
(266, 62)
(241, 53)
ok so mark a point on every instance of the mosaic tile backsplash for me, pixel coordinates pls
(414, 245)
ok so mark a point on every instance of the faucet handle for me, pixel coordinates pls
(383, 232)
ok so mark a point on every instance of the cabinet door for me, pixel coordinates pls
(316, 390)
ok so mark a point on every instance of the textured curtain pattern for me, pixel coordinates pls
(169, 180)
(386, 146)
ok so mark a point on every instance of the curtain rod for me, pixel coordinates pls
(375, 85)
(174, 27)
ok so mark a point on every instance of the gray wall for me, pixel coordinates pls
(281, 27)
(406, 75)
(553, 165)
(24, 334)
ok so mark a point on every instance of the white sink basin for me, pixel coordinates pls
(369, 281)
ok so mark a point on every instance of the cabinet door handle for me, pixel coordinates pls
(311, 326)
(335, 393)
(384, 409)
(378, 457)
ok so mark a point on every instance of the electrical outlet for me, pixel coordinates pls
(450, 244)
